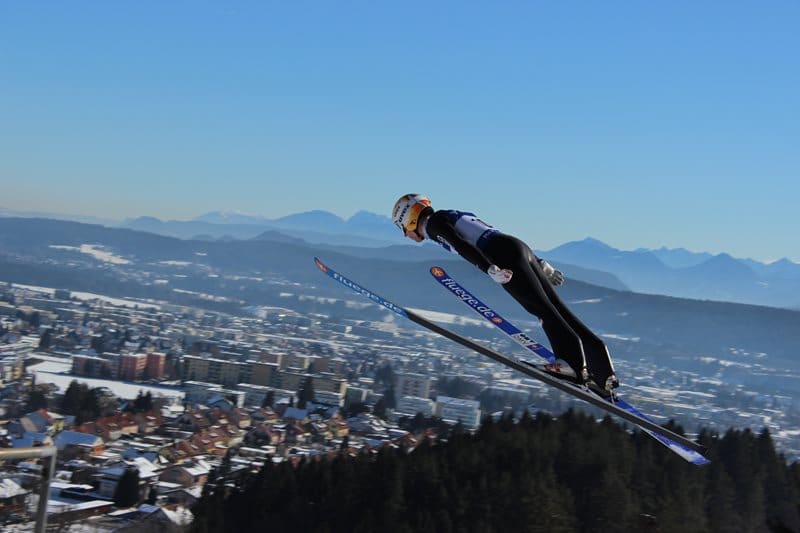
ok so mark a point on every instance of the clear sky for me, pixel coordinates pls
(639, 123)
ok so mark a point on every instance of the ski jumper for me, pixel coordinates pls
(482, 245)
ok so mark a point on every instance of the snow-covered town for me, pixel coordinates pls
(146, 401)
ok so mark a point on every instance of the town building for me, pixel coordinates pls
(458, 410)
(410, 384)
(411, 405)
(132, 366)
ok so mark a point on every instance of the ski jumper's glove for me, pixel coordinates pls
(500, 275)
(555, 277)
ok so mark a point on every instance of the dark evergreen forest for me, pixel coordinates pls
(538, 474)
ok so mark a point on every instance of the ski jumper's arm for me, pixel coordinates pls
(441, 228)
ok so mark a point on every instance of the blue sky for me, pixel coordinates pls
(638, 123)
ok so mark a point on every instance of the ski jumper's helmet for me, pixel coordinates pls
(408, 210)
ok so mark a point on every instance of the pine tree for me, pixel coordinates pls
(547, 506)
(143, 402)
(75, 401)
(536, 474)
(269, 399)
(379, 409)
(389, 397)
(127, 492)
(152, 496)
(36, 400)
(45, 339)
(612, 506)
(723, 515)
(736, 451)
(306, 393)
(385, 375)
(783, 498)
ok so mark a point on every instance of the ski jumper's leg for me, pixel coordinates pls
(595, 350)
(528, 288)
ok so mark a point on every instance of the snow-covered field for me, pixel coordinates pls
(56, 370)
(448, 318)
(619, 337)
(96, 251)
(120, 302)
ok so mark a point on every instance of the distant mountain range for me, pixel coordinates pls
(318, 227)
(678, 272)
(672, 272)
(86, 219)
(273, 267)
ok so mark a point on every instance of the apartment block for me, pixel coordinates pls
(330, 365)
(289, 380)
(329, 383)
(262, 373)
(219, 371)
(411, 405)
(132, 366)
(156, 363)
(417, 385)
(91, 366)
(195, 368)
(296, 361)
(455, 409)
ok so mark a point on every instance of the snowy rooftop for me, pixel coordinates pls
(9, 489)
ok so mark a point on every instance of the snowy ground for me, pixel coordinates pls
(86, 296)
(96, 251)
(619, 337)
(55, 370)
(448, 318)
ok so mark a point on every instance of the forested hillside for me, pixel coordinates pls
(539, 474)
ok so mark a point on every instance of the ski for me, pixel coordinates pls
(689, 453)
(678, 443)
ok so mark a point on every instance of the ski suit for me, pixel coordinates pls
(482, 245)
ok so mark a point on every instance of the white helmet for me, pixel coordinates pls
(408, 210)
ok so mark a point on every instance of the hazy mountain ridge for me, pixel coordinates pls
(86, 219)
(678, 257)
(662, 325)
(705, 276)
(230, 217)
(673, 272)
(320, 227)
(668, 271)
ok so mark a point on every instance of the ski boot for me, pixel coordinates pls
(611, 382)
(607, 391)
(562, 369)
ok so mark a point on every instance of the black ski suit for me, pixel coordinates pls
(482, 245)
